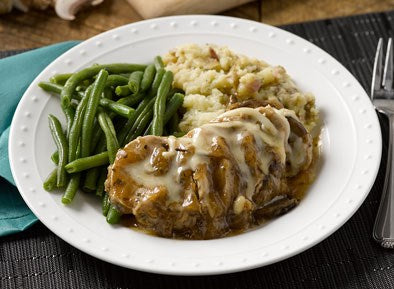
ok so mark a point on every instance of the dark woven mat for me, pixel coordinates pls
(348, 259)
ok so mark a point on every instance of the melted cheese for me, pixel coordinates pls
(232, 126)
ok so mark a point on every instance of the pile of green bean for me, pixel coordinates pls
(106, 107)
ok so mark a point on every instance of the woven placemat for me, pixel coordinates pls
(349, 258)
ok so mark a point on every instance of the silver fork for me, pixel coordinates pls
(382, 96)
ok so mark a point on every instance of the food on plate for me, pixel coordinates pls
(214, 76)
(201, 144)
(228, 174)
(97, 125)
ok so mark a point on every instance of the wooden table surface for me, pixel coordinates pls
(20, 30)
(279, 12)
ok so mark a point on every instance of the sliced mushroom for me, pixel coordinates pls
(67, 9)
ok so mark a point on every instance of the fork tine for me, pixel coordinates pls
(377, 68)
(388, 67)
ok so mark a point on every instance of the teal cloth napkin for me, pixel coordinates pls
(17, 72)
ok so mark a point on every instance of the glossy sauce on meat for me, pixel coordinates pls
(226, 176)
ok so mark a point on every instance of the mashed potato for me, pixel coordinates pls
(214, 76)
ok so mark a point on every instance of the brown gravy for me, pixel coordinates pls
(299, 184)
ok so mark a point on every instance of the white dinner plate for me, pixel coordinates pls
(351, 150)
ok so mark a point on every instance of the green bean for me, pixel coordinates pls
(90, 183)
(60, 78)
(165, 131)
(78, 151)
(86, 163)
(125, 100)
(113, 215)
(97, 135)
(131, 100)
(69, 113)
(102, 144)
(50, 182)
(81, 88)
(159, 107)
(173, 124)
(141, 115)
(156, 82)
(112, 129)
(92, 174)
(75, 131)
(140, 125)
(172, 106)
(158, 62)
(118, 108)
(135, 81)
(141, 122)
(100, 182)
(50, 87)
(55, 157)
(71, 189)
(79, 95)
(98, 139)
(83, 85)
(129, 124)
(88, 81)
(62, 147)
(147, 78)
(174, 90)
(174, 103)
(57, 88)
(148, 130)
(110, 135)
(105, 204)
(116, 80)
(122, 90)
(74, 105)
(90, 113)
(107, 93)
(76, 78)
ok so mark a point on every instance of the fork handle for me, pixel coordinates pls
(383, 231)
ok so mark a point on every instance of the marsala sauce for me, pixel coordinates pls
(299, 185)
(233, 131)
(301, 182)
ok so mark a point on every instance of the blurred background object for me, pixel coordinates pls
(152, 8)
(280, 12)
(65, 9)
(19, 30)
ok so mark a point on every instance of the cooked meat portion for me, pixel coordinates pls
(227, 175)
